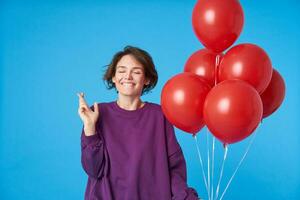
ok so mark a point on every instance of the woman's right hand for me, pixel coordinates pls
(88, 117)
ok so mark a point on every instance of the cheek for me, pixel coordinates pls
(140, 79)
(118, 78)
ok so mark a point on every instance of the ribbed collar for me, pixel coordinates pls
(129, 113)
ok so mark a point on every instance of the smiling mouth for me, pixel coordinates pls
(128, 84)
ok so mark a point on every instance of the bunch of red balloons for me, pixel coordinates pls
(228, 92)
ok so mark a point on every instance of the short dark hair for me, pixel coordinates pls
(143, 57)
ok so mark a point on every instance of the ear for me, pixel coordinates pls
(114, 79)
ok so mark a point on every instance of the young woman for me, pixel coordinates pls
(128, 148)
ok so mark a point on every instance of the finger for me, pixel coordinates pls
(81, 99)
(80, 111)
(82, 114)
(82, 105)
(83, 108)
(96, 110)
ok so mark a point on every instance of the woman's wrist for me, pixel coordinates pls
(89, 129)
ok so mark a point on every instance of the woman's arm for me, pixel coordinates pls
(177, 168)
(92, 143)
(92, 154)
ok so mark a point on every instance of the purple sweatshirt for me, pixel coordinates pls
(134, 156)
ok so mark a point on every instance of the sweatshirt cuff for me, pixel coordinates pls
(92, 139)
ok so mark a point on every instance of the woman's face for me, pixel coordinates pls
(129, 77)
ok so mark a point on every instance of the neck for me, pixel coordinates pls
(129, 103)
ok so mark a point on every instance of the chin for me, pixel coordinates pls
(127, 92)
(130, 93)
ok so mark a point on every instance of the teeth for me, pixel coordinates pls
(128, 84)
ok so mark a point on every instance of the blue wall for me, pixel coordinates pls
(52, 49)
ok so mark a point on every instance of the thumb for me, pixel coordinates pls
(96, 109)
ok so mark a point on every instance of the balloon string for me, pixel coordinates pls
(245, 154)
(212, 168)
(216, 68)
(201, 163)
(208, 161)
(213, 144)
(222, 168)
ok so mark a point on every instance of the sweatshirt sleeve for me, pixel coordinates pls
(177, 168)
(92, 154)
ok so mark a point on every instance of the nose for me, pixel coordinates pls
(128, 75)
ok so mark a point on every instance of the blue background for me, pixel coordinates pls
(51, 50)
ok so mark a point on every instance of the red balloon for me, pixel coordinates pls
(247, 62)
(273, 96)
(232, 110)
(203, 63)
(182, 101)
(217, 23)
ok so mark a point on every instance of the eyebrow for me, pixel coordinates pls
(132, 68)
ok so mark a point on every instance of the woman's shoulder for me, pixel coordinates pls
(151, 107)
(105, 103)
(156, 109)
